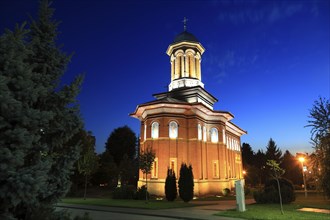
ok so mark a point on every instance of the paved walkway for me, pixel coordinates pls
(206, 210)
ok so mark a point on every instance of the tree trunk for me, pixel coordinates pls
(279, 193)
(85, 192)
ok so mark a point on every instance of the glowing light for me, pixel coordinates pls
(301, 159)
(244, 172)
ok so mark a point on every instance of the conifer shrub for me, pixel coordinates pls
(170, 186)
(186, 183)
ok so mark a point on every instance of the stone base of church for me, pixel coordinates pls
(201, 187)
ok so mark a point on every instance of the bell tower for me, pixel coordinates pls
(185, 56)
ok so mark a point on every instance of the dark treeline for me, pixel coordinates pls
(257, 173)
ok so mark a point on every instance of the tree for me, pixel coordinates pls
(121, 141)
(272, 152)
(291, 167)
(260, 164)
(88, 161)
(170, 186)
(276, 173)
(186, 183)
(320, 134)
(37, 119)
(146, 159)
(247, 155)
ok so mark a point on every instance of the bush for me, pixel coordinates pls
(270, 192)
(140, 194)
(225, 192)
(247, 191)
(170, 186)
(186, 183)
(124, 192)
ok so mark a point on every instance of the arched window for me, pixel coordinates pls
(204, 133)
(173, 129)
(214, 135)
(199, 130)
(154, 130)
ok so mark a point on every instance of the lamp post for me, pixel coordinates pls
(302, 159)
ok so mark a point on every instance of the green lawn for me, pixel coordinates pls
(272, 211)
(152, 204)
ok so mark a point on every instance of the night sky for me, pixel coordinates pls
(266, 61)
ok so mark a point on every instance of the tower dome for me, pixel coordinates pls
(185, 36)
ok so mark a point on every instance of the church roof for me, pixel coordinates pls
(185, 36)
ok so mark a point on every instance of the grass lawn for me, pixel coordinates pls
(272, 211)
(152, 204)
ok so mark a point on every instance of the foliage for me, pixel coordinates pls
(38, 117)
(122, 141)
(292, 168)
(247, 155)
(141, 193)
(88, 161)
(186, 183)
(123, 192)
(107, 171)
(226, 192)
(276, 173)
(146, 158)
(270, 193)
(320, 134)
(171, 190)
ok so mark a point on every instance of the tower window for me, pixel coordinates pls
(173, 129)
(155, 130)
(214, 135)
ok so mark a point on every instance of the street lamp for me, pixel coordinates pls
(302, 159)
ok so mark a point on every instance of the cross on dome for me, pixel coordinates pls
(185, 23)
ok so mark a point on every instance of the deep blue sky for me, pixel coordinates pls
(266, 61)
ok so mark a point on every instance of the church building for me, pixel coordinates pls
(181, 126)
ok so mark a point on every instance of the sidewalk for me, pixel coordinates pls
(206, 210)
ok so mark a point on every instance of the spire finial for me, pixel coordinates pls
(185, 23)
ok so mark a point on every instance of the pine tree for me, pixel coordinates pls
(272, 152)
(37, 119)
(170, 186)
(186, 183)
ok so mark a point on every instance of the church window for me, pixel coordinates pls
(204, 133)
(154, 171)
(173, 129)
(214, 135)
(199, 129)
(155, 130)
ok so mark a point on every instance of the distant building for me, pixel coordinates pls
(181, 126)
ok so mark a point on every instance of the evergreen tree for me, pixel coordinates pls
(260, 164)
(170, 186)
(292, 168)
(37, 119)
(273, 152)
(247, 155)
(186, 183)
